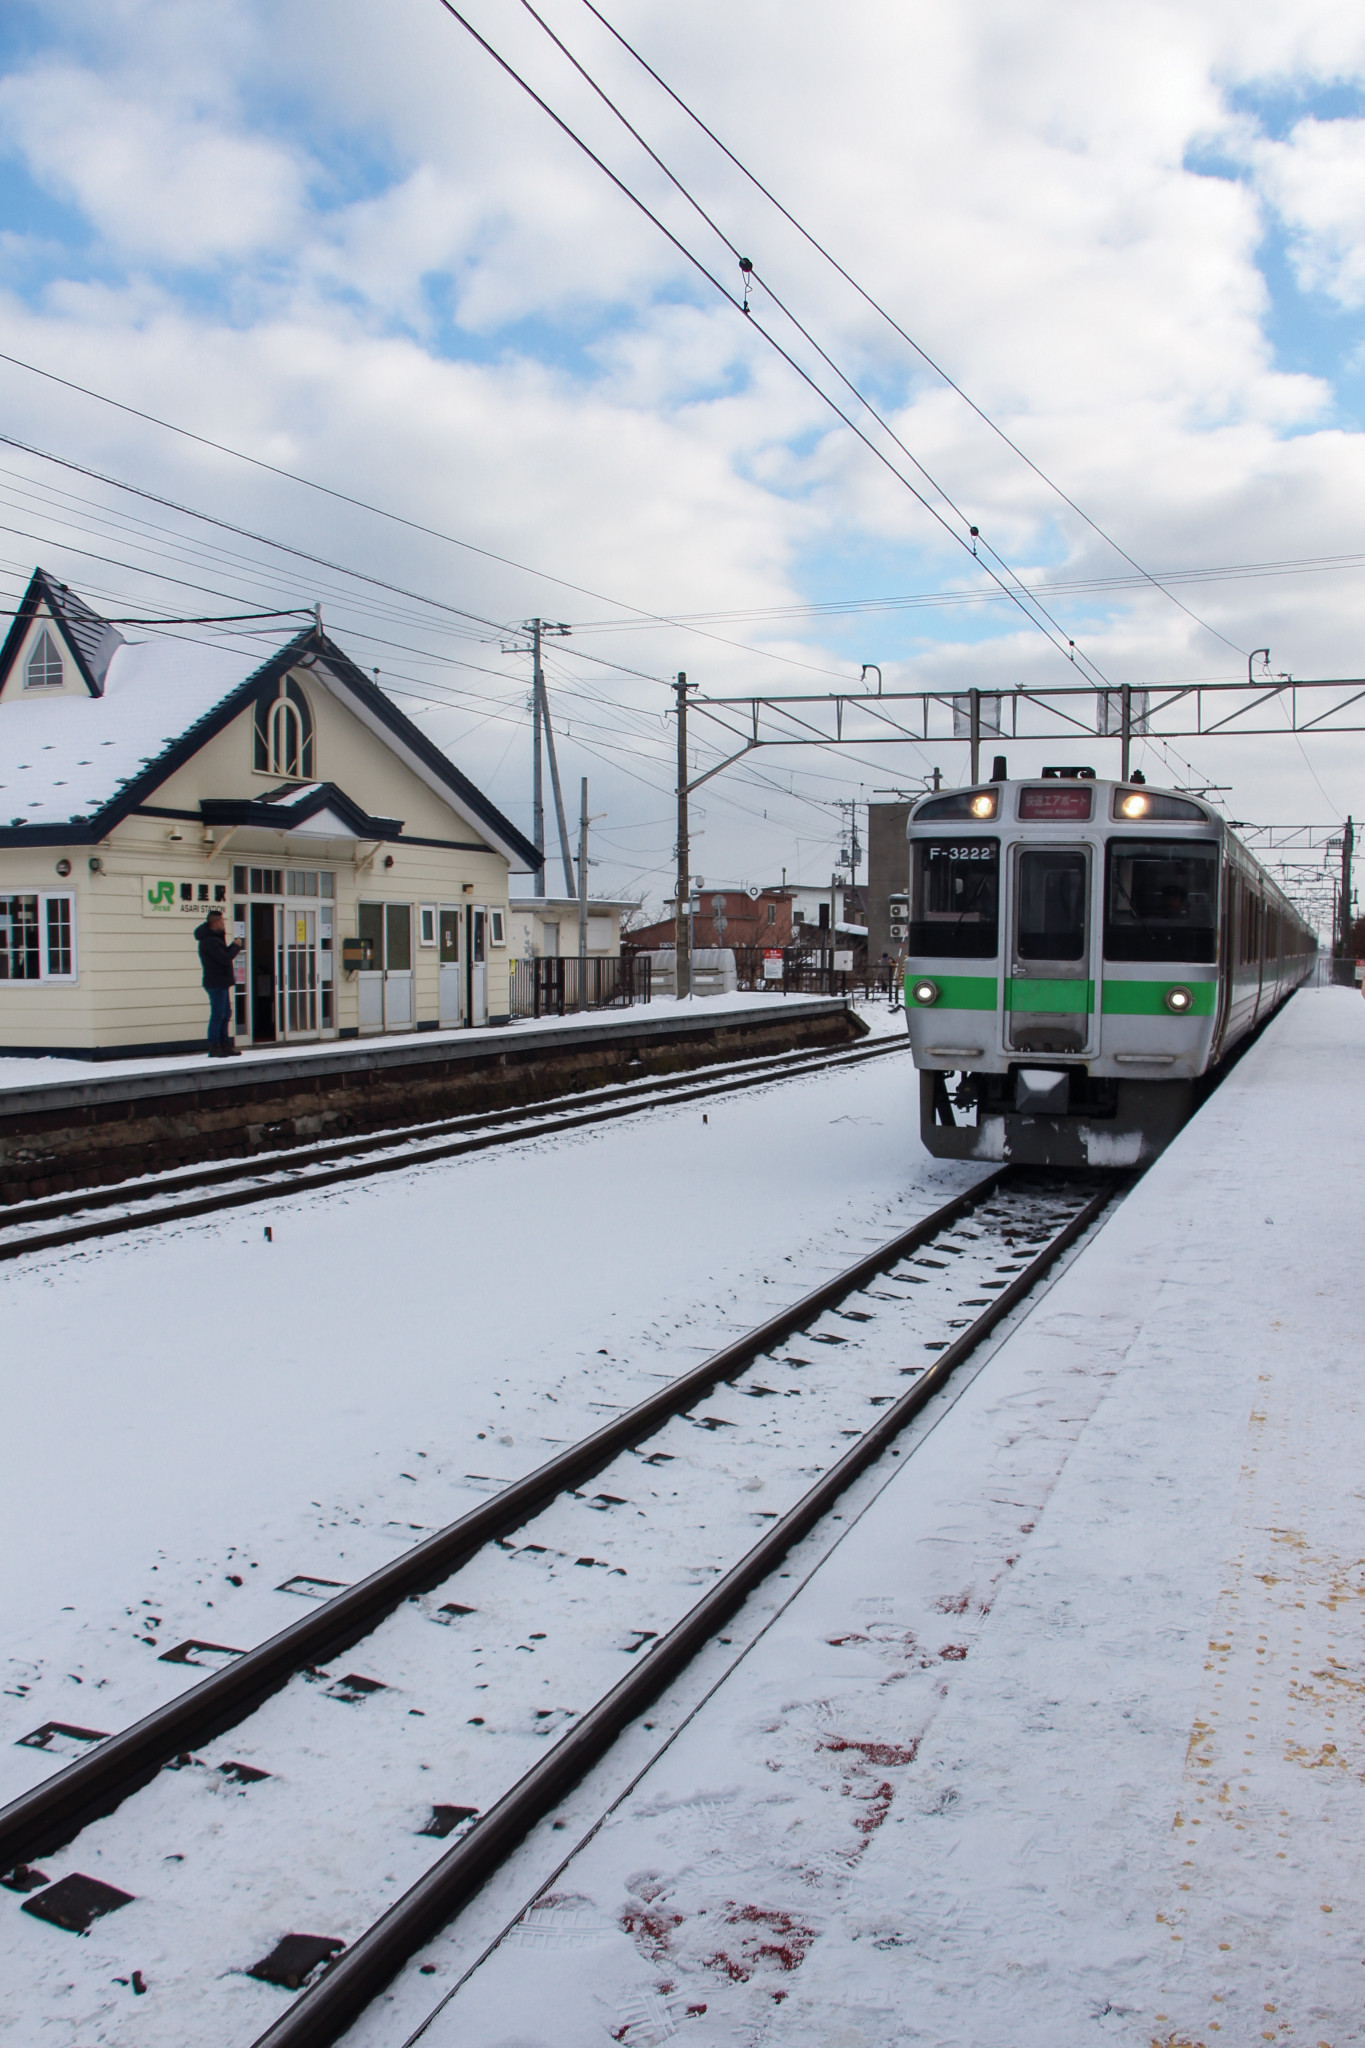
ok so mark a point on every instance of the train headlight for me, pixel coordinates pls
(924, 992)
(1179, 1000)
(1135, 805)
(982, 804)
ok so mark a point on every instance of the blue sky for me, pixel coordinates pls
(343, 241)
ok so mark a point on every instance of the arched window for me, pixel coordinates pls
(284, 731)
(43, 669)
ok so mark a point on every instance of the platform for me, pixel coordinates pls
(85, 1125)
(1065, 1741)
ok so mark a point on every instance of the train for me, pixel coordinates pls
(1081, 956)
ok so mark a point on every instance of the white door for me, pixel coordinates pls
(398, 1002)
(398, 1013)
(478, 966)
(450, 972)
(371, 992)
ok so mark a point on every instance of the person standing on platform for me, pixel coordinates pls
(216, 957)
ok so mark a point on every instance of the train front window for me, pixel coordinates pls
(956, 899)
(1161, 902)
(1051, 919)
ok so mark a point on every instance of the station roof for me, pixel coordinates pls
(72, 766)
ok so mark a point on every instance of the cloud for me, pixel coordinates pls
(429, 298)
(1315, 181)
(157, 177)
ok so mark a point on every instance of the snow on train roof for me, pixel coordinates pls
(63, 759)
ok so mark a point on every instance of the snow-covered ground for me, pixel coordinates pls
(197, 1405)
(1064, 1738)
(19, 1071)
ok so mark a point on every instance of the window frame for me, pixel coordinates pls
(497, 926)
(277, 712)
(426, 924)
(44, 977)
(45, 639)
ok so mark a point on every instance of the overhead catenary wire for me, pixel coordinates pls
(1068, 651)
(881, 311)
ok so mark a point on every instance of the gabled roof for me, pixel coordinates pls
(316, 804)
(90, 640)
(71, 769)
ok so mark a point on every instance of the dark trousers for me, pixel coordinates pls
(220, 1011)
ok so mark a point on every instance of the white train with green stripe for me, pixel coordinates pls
(1080, 956)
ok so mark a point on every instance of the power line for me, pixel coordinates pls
(909, 339)
(1069, 651)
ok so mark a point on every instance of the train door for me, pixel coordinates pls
(450, 973)
(1049, 996)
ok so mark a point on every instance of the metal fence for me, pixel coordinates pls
(556, 988)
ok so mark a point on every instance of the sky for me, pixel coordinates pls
(343, 241)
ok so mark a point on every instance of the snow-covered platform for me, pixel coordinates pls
(1065, 1740)
(86, 1125)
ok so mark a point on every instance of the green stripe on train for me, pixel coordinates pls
(956, 991)
(1050, 998)
(1148, 998)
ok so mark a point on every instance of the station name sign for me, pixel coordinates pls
(172, 896)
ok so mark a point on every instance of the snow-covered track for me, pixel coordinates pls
(324, 2012)
(178, 1196)
(1008, 1214)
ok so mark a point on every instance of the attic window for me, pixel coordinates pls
(284, 731)
(43, 669)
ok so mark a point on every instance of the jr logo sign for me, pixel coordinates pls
(168, 896)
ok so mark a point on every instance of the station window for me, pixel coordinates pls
(38, 937)
(1161, 900)
(43, 669)
(283, 742)
(956, 899)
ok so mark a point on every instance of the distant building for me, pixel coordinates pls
(546, 927)
(790, 914)
(143, 784)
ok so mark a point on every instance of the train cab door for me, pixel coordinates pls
(1049, 995)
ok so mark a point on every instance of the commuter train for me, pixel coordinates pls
(1080, 954)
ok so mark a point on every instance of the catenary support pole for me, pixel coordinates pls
(974, 698)
(1126, 734)
(1348, 838)
(682, 930)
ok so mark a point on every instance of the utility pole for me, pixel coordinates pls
(537, 789)
(974, 699)
(541, 724)
(682, 928)
(583, 893)
(1126, 734)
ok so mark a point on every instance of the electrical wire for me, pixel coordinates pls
(1069, 651)
(896, 327)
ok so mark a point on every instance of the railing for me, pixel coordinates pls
(557, 988)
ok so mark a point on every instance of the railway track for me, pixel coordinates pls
(86, 1213)
(354, 1811)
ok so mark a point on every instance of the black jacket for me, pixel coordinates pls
(216, 955)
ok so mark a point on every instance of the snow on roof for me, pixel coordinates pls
(65, 758)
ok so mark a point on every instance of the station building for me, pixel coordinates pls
(143, 784)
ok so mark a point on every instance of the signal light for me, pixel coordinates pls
(1179, 1000)
(924, 992)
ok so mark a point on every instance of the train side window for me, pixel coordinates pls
(955, 903)
(1161, 900)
